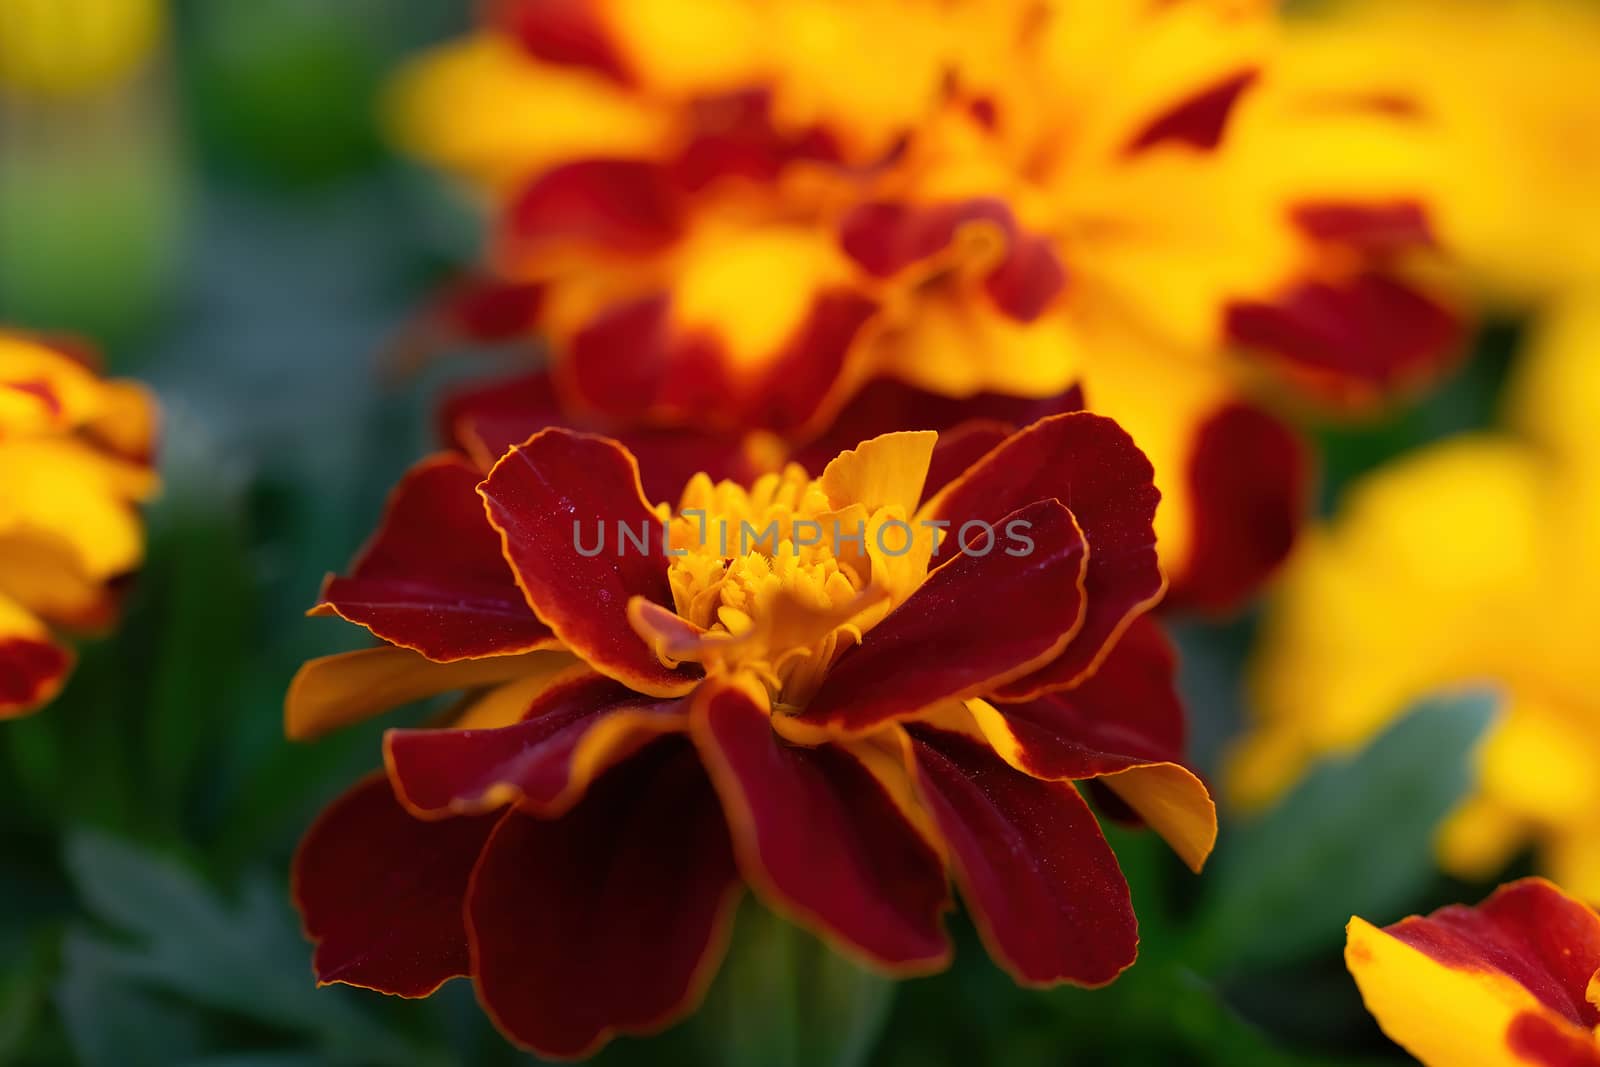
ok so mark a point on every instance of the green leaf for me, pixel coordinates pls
(784, 999)
(1354, 838)
(177, 939)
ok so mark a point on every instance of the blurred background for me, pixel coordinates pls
(204, 191)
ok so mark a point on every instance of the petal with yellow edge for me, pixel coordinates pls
(882, 891)
(611, 919)
(569, 735)
(974, 624)
(566, 505)
(1091, 465)
(1512, 981)
(433, 578)
(1044, 888)
(379, 919)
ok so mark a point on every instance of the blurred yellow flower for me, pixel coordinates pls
(734, 212)
(68, 47)
(1473, 561)
(75, 458)
(1505, 89)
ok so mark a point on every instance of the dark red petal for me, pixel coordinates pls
(974, 623)
(1353, 339)
(618, 205)
(480, 309)
(807, 372)
(536, 763)
(566, 32)
(1201, 120)
(735, 137)
(562, 491)
(1126, 714)
(610, 919)
(632, 364)
(1544, 940)
(1042, 884)
(1249, 478)
(1381, 227)
(1534, 1039)
(433, 578)
(485, 420)
(1091, 465)
(31, 672)
(886, 237)
(381, 892)
(885, 405)
(823, 841)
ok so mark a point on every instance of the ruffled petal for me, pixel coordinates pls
(975, 623)
(433, 579)
(550, 499)
(1091, 465)
(568, 736)
(381, 892)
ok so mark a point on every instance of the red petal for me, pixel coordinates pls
(487, 419)
(885, 405)
(31, 672)
(566, 32)
(381, 892)
(546, 495)
(611, 919)
(480, 309)
(1249, 479)
(630, 363)
(1382, 227)
(1042, 884)
(823, 840)
(1128, 713)
(1090, 464)
(1353, 339)
(1201, 120)
(735, 136)
(887, 237)
(618, 205)
(433, 578)
(1528, 930)
(1534, 1039)
(973, 624)
(541, 764)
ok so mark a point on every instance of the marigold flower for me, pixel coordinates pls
(737, 214)
(75, 459)
(1470, 562)
(785, 684)
(1502, 93)
(1514, 981)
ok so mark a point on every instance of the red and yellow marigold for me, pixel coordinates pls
(737, 214)
(75, 460)
(1468, 563)
(785, 683)
(1513, 982)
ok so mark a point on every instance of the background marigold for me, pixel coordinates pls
(75, 460)
(746, 231)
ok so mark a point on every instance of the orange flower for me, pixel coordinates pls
(792, 684)
(1513, 982)
(75, 458)
(735, 215)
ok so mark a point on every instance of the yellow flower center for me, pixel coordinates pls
(776, 576)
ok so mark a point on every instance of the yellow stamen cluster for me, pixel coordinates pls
(761, 571)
